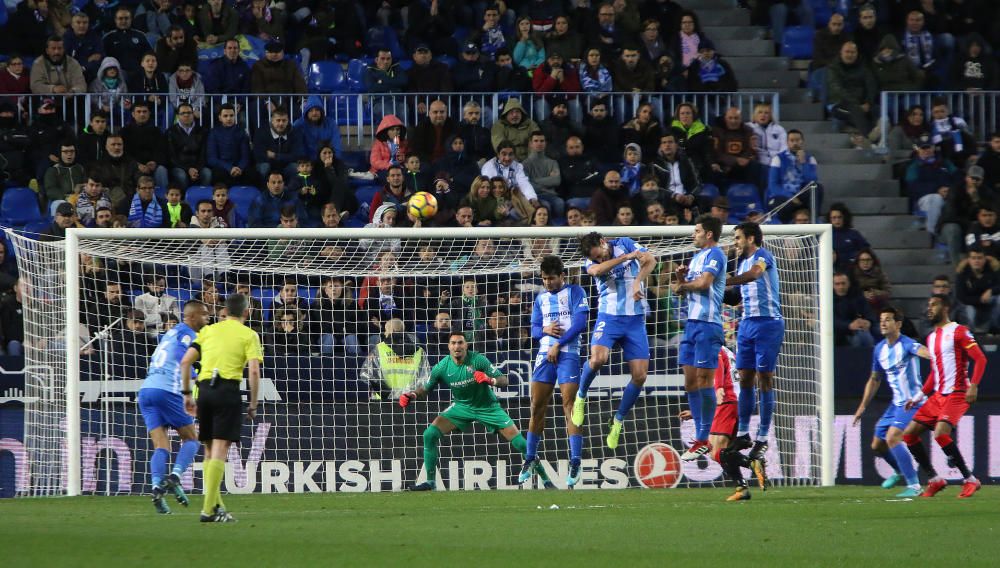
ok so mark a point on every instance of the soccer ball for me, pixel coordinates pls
(422, 205)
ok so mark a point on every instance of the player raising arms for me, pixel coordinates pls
(620, 267)
(470, 376)
(759, 337)
(704, 284)
(558, 316)
(162, 406)
(726, 383)
(951, 346)
(895, 358)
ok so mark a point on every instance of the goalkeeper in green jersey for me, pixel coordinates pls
(470, 376)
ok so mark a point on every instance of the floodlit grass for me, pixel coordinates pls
(842, 526)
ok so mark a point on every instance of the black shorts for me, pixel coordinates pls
(220, 411)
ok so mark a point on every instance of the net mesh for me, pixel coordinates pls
(328, 419)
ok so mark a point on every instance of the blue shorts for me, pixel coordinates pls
(701, 344)
(163, 408)
(565, 370)
(627, 331)
(894, 417)
(758, 342)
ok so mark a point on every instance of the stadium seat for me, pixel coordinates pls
(19, 206)
(196, 193)
(366, 194)
(822, 12)
(798, 42)
(160, 192)
(243, 197)
(356, 75)
(383, 37)
(327, 77)
(35, 228)
(709, 191)
(743, 198)
(447, 60)
(406, 64)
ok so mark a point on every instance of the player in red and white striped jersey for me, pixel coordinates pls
(951, 391)
(727, 388)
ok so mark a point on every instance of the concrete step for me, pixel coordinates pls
(867, 224)
(914, 308)
(921, 274)
(799, 64)
(769, 80)
(804, 111)
(885, 239)
(724, 17)
(846, 187)
(746, 64)
(707, 5)
(905, 255)
(829, 156)
(744, 47)
(858, 171)
(825, 139)
(733, 32)
(880, 206)
(912, 291)
(809, 127)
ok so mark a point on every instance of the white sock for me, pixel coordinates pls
(743, 433)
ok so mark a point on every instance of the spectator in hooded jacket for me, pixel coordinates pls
(317, 129)
(974, 69)
(893, 69)
(693, 137)
(515, 127)
(390, 146)
(108, 85)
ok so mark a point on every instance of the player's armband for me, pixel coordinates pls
(196, 346)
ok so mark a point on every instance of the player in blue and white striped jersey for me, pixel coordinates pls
(895, 358)
(759, 338)
(558, 317)
(162, 406)
(620, 268)
(704, 285)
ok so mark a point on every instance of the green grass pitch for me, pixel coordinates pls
(842, 526)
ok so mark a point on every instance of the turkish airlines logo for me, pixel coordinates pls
(657, 466)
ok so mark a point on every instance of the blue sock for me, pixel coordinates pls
(185, 456)
(158, 465)
(891, 460)
(586, 377)
(631, 394)
(694, 405)
(707, 413)
(575, 448)
(533, 440)
(747, 400)
(904, 464)
(767, 404)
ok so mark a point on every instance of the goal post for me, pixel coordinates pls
(322, 422)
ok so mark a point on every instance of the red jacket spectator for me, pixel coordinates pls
(554, 77)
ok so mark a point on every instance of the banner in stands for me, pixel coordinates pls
(356, 446)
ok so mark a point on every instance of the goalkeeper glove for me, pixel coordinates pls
(406, 398)
(482, 378)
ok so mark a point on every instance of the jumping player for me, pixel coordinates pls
(470, 376)
(620, 268)
(759, 337)
(704, 284)
(162, 406)
(895, 358)
(951, 346)
(558, 316)
(727, 386)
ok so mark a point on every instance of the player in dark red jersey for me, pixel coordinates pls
(950, 391)
(723, 431)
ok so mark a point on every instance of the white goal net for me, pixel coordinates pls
(322, 303)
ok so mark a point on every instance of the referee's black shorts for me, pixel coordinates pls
(220, 410)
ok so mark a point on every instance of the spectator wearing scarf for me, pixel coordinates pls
(146, 210)
(709, 73)
(632, 169)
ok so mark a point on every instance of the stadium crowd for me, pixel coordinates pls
(170, 164)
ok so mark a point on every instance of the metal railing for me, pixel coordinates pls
(359, 114)
(979, 109)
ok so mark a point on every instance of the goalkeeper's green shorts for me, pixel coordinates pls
(462, 416)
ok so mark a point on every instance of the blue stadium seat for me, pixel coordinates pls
(327, 77)
(822, 12)
(366, 194)
(160, 192)
(743, 198)
(406, 64)
(35, 228)
(384, 37)
(460, 33)
(242, 197)
(196, 193)
(447, 60)
(19, 206)
(709, 191)
(356, 75)
(798, 42)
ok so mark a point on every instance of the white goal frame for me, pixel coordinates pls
(823, 232)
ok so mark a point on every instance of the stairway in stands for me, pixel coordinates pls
(856, 177)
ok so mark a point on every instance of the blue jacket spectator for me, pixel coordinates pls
(266, 208)
(84, 46)
(316, 128)
(228, 74)
(788, 174)
(228, 145)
